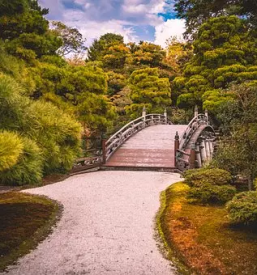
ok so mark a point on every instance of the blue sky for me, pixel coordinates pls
(150, 20)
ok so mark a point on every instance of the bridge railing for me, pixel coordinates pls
(191, 129)
(183, 157)
(133, 127)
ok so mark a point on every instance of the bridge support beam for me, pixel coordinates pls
(176, 147)
(203, 151)
(198, 155)
(104, 150)
(192, 158)
(208, 152)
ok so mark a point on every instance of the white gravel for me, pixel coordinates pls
(107, 226)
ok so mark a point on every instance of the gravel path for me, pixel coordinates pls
(107, 226)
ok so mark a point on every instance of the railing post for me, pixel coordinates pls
(176, 147)
(196, 111)
(165, 116)
(207, 115)
(192, 158)
(144, 112)
(104, 150)
(144, 115)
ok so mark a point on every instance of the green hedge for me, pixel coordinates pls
(243, 208)
(208, 193)
(214, 176)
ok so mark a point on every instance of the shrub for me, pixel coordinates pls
(28, 169)
(57, 134)
(243, 207)
(208, 193)
(202, 176)
(10, 149)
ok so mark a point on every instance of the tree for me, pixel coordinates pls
(224, 52)
(148, 54)
(149, 90)
(197, 12)
(99, 48)
(238, 153)
(72, 39)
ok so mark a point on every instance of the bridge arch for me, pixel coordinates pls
(196, 147)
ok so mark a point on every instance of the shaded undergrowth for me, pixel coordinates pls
(25, 220)
(202, 238)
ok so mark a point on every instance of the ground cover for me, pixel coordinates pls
(25, 220)
(202, 238)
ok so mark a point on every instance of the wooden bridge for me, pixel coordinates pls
(153, 142)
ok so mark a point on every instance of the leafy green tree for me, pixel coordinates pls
(73, 41)
(238, 152)
(116, 82)
(148, 54)
(99, 48)
(224, 52)
(197, 12)
(149, 90)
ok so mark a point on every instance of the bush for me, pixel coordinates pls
(28, 169)
(208, 193)
(10, 149)
(57, 134)
(214, 176)
(243, 207)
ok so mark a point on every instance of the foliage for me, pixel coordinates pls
(11, 148)
(239, 124)
(148, 54)
(28, 169)
(209, 193)
(243, 208)
(178, 53)
(224, 52)
(56, 133)
(149, 90)
(214, 176)
(116, 82)
(197, 12)
(99, 48)
(73, 41)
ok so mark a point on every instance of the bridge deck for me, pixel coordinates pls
(151, 147)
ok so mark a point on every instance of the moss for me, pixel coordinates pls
(202, 238)
(25, 220)
(167, 246)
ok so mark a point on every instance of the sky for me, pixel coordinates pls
(136, 20)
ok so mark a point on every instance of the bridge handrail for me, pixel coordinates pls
(117, 139)
(191, 129)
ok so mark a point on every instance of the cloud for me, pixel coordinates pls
(172, 27)
(130, 18)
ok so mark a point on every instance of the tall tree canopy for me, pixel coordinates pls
(149, 90)
(224, 52)
(196, 12)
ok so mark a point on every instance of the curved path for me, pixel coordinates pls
(107, 226)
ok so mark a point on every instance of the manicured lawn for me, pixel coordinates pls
(203, 240)
(24, 221)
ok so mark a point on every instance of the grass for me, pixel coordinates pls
(202, 238)
(25, 220)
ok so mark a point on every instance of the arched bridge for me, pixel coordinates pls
(153, 142)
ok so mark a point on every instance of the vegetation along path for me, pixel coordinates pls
(107, 226)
